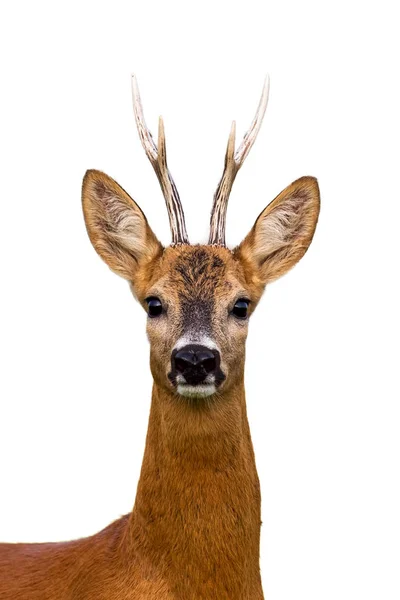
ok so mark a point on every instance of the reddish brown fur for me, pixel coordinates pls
(194, 530)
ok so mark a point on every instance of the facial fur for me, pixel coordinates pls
(198, 287)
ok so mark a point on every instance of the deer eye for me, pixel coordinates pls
(154, 306)
(240, 309)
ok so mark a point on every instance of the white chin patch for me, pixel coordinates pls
(196, 391)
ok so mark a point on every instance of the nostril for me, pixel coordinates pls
(209, 364)
(180, 364)
(184, 359)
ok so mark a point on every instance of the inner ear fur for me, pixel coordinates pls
(116, 226)
(283, 231)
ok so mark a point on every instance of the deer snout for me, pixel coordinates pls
(195, 363)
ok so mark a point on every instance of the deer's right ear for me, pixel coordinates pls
(116, 225)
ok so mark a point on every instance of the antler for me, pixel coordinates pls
(158, 159)
(233, 162)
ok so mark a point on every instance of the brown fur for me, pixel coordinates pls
(195, 526)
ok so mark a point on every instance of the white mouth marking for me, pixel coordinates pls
(201, 390)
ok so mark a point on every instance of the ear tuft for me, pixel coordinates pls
(283, 231)
(116, 225)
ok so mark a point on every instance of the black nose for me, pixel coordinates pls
(195, 363)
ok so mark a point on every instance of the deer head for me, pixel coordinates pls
(198, 298)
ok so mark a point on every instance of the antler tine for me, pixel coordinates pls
(158, 159)
(233, 162)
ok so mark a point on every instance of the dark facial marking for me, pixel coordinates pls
(196, 275)
(196, 314)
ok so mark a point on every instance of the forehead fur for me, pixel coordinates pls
(199, 271)
(195, 270)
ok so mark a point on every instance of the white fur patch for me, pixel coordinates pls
(274, 229)
(196, 391)
(127, 224)
(280, 227)
(199, 340)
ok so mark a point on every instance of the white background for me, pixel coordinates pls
(322, 363)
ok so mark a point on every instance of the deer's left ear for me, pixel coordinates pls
(283, 231)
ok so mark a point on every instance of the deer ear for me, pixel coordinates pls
(283, 231)
(116, 225)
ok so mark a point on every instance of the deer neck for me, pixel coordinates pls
(197, 512)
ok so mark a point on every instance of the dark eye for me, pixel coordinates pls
(240, 309)
(154, 306)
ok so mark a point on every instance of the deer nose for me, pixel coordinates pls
(195, 363)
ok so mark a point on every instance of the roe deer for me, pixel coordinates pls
(195, 527)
